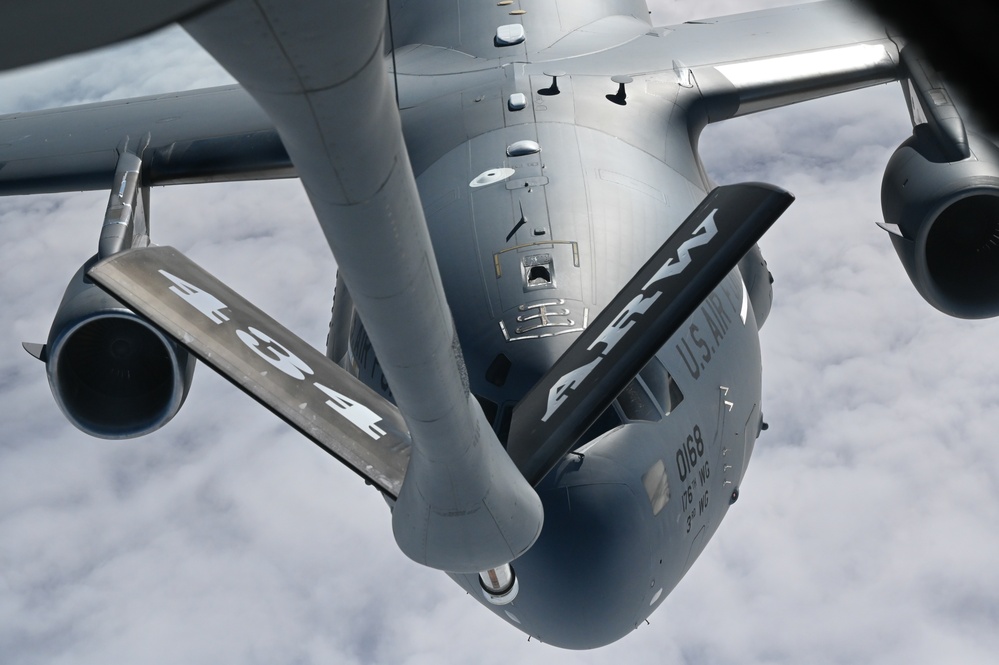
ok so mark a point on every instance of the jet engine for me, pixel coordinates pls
(113, 374)
(944, 221)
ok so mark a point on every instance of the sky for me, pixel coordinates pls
(865, 530)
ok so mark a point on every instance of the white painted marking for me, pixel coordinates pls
(613, 333)
(706, 231)
(282, 358)
(745, 302)
(361, 416)
(202, 301)
(557, 394)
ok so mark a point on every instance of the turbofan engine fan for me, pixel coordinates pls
(113, 374)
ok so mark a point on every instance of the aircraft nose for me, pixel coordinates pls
(587, 574)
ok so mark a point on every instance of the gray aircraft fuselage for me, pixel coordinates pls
(513, 196)
(524, 223)
(531, 244)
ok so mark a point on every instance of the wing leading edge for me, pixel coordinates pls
(740, 64)
(209, 135)
(745, 63)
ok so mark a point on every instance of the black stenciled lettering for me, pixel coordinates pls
(702, 503)
(720, 311)
(730, 295)
(688, 359)
(701, 343)
(687, 455)
(716, 332)
(691, 451)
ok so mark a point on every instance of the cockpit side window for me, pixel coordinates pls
(650, 395)
(661, 385)
(636, 404)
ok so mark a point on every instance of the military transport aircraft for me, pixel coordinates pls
(544, 345)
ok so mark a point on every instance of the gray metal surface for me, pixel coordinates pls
(317, 70)
(468, 268)
(944, 218)
(264, 359)
(221, 134)
(661, 296)
(36, 30)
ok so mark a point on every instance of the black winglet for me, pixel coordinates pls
(551, 418)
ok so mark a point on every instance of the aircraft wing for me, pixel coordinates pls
(209, 135)
(744, 63)
(41, 29)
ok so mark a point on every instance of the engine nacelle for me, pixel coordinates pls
(113, 374)
(948, 216)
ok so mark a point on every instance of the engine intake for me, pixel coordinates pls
(113, 374)
(947, 220)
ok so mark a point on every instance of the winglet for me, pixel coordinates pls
(583, 382)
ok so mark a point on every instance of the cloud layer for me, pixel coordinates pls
(865, 530)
